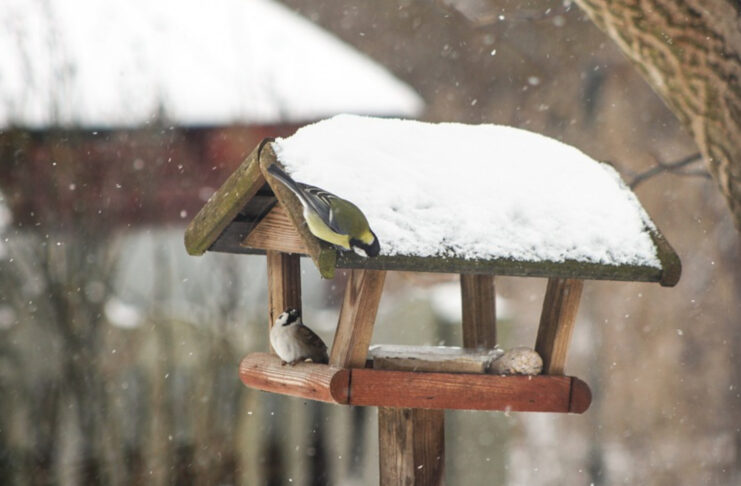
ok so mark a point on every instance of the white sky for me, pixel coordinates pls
(103, 63)
(473, 191)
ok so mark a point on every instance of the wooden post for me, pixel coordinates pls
(411, 446)
(560, 306)
(479, 311)
(357, 316)
(284, 283)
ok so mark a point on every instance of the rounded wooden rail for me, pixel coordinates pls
(409, 389)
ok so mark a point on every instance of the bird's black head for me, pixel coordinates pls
(363, 249)
(288, 317)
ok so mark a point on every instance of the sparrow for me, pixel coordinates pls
(331, 218)
(294, 342)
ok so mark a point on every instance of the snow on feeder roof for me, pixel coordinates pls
(121, 63)
(452, 198)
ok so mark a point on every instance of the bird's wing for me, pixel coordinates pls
(321, 201)
(314, 342)
(309, 336)
(339, 220)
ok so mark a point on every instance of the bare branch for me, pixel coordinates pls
(671, 167)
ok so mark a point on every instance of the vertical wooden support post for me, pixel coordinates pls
(479, 311)
(357, 316)
(284, 283)
(560, 306)
(412, 446)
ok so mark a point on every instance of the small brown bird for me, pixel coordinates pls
(294, 342)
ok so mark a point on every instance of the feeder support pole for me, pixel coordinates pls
(411, 445)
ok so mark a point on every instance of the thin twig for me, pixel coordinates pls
(672, 167)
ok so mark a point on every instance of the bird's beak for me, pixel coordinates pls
(375, 248)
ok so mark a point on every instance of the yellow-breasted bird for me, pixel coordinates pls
(331, 218)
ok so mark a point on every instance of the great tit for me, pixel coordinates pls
(294, 342)
(331, 218)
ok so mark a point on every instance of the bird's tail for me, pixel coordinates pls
(287, 181)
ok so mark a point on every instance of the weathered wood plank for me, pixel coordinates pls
(411, 446)
(357, 316)
(224, 205)
(258, 206)
(557, 318)
(284, 283)
(313, 381)
(323, 254)
(479, 318)
(276, 232)
(463, 391)
(229, 239)
(442, 359)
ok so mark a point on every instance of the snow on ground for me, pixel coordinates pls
(473, 191)
(101, 64)
(121, 314)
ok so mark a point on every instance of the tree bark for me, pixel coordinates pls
(690, 53)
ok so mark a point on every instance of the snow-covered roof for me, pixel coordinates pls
(455, 198)
(473, 191)
(113, 63)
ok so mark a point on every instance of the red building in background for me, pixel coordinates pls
(125, 113)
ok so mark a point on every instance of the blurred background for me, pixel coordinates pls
(119, 352)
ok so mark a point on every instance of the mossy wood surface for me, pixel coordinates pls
(224, 206)
(670, 263)
(566, 269)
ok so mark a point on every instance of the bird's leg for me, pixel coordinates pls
(283, 363)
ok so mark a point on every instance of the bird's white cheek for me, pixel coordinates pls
(360, 251)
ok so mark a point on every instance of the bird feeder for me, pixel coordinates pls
(254, 214)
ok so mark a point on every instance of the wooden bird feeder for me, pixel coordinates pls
(252, 213)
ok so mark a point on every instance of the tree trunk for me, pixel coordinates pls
(690, 53)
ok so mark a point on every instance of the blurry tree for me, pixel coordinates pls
(690, 53)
